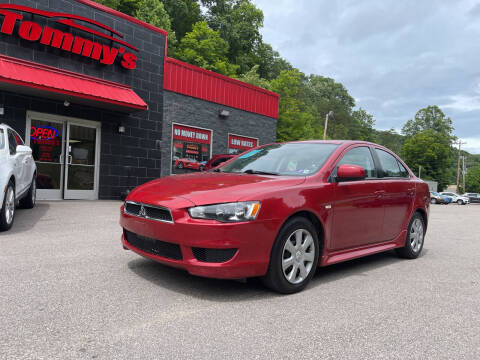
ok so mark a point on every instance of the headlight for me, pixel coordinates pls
(228, 212)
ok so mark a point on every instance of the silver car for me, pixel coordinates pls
(459, 199)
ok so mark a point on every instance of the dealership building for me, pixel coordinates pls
(104, 109)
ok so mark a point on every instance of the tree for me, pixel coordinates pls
(252, 77)
(205, 48)
(364, 123)
(154, 13)
(269, 61)
(128, 7)
(429, 118)
(472, 179)
(238, 22)
(430, 150)
(183, 14)
(295, 120)
(390, 139)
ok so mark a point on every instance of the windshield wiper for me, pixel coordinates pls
(259, 172)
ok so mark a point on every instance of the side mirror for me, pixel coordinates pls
(22, 149)
(350, 173)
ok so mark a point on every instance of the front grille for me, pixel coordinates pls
(153, 246)
(213, 255)
(148, 211)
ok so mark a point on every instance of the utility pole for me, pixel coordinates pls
(463, 158)
(330, 114)
(460, 143)
(419, 171)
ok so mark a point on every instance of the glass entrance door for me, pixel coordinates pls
(81, 162)
(66, 151)
(47, 143)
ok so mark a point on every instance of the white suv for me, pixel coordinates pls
(17, 176)
(459, 199)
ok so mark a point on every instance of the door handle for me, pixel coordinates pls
(379, 193)
(70, 159)
(411, 192)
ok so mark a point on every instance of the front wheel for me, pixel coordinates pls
(180, 165)
(460, 202)
(433, 201)
(294, 257)
(7, 214)
(415, 238)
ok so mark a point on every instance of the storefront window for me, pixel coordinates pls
(190, 149)
(238, 144)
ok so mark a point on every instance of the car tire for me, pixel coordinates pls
(7, 214)
(296, 247)
(28, 202)
(460, 202)
(433, 201)
(415, 238)
(180, 165)
(201, 168)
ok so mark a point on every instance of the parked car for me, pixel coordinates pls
(188, 163)
(17, 176)
(217, 160)
(473, 197)
(279, 211)
(436, 198)
(459, 199)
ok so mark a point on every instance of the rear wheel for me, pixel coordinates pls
(7, 214)
(294, 257)
(460, 202)
(180, 165)
(433, 201)
(415, 238)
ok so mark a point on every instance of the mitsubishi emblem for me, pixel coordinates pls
(142, 212)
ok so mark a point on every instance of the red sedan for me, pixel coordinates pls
(188, 163)
(279, 211)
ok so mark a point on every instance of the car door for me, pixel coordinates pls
(357, 206)
(399, 194)
(15, 159)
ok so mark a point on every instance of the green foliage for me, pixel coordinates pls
(183, 14)
(154, 13)
(205, 48)
(431, 150)
(390, 139)
(472, 179)
(429, 118)
(295, 121)
(252, 77)
(128, 7)
(269, 61)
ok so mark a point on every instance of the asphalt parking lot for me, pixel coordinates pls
(69, 291)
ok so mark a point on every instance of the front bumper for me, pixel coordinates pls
(253, 241)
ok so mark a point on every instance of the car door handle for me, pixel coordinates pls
(411, 192)
(379, 193)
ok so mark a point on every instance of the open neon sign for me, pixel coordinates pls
(43, 133)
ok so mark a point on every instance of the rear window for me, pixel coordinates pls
(2, 139)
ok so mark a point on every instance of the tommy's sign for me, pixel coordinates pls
(46, 35)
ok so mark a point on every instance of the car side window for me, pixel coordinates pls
(18, 139)
(389, 164)
(12, 144)
(360, 156)
(403, 171)
(219, 161)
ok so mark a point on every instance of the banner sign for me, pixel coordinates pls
(191, 134)
(241, 142)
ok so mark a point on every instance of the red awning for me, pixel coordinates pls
(45, 81)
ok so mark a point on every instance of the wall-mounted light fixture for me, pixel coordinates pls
(66, 103)
(121, 129)
(224, 114)
(2, 110)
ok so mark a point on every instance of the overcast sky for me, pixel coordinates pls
(394, 56)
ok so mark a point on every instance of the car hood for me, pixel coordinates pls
(211, 187)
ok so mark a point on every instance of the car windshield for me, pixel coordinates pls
(291, 159)
(2, 140)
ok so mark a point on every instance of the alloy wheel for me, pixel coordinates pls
(298, 256)
(416, 235)
(9, 205)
